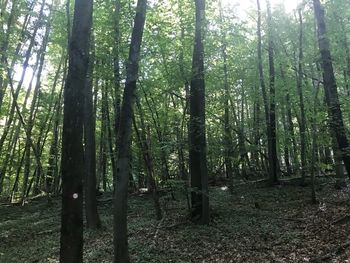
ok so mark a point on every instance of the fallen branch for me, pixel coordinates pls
(341, 220)
(50, 231)
(155, 236)
(337, 251)
(175, 225)
(299, 220)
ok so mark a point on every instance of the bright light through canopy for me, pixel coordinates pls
(244, 5)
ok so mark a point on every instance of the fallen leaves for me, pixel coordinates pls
(285, 228)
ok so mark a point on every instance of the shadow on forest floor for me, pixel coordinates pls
(254, 224)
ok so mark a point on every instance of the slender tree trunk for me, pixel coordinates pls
(18, 172)
(314, 142)
(72, 137)
(116, 67)
(227, 130)
(52, 176)
(92, 217)
(287, 148)
(121, 253)
(197, 149)
(290, 127)
(262, 84)
(109, 134)
(30, 122)
(302, 126)
(273, 161)
(4, 46)
(24, 70)
(330, 86)
(16, 126)
(145, 146)
(156, 120)
(103, 146)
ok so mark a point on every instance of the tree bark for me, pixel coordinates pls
(273, 160)
(120, 237)
(144, 141)
(302, 125)
(197, 148)
(330, 86)
(72, 162)
(92, 217)
(262, 83)
(227, 131)
(30, 122)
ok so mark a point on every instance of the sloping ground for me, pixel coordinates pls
(253, 224)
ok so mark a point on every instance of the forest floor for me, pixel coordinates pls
(253, 224)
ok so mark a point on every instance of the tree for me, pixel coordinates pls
(271, 168)
(197, 148)
(301, 99)
(120, 237)
(92, 217)
(72, 135)
(272, 136)
(330, 86)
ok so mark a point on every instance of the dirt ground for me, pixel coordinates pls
(252, 224)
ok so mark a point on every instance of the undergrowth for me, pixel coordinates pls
(252, 224)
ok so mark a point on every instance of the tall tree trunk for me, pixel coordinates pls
(290, 127)
(109, 135)
(33, 107)
(302, 124)
(16, 127)
(227, 131)
(4, 45)
(197, 149)
(257, 135)
(330, 86)
(314, 146)
(120, 237)
(72, 135)
(162, 141)
(52, 176)
(145, 146)
(25, 65)
(262, 83)
(273, 161)
(92, 217)
(103, 142)
(116, 67)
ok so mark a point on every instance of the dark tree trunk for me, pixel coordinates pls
(227, 130)
(145, 146)
(262, 83)
(290, 127)
(302, 124)
(197, 149)
(72, 136)
(52, 176)
(273, 160)
(121, 253)
(92, 217)
(330, 86)
(116, 67)
(155, 117)
(314, 142)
